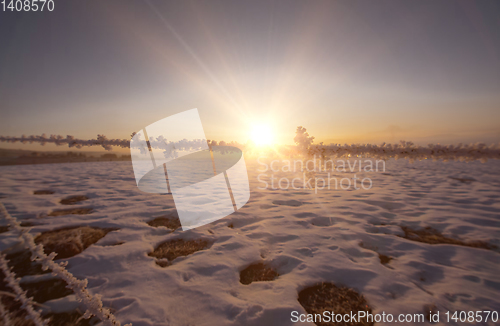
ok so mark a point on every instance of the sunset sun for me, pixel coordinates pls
(262, 135)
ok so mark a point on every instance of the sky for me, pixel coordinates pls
(349, 71)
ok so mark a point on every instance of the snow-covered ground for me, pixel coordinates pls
(308, 237)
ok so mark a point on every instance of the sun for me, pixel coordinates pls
(262, 135)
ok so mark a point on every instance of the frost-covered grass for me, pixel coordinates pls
(258, 272)
(72, 200)
(75, 211)
(328, 297)
(92, 303)
(27, 303)
(433, 236)
(68, 242)
(304, 145)
(171, 222)
(173, 249)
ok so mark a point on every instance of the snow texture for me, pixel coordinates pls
(308, 237)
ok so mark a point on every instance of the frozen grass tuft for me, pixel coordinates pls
(47, 290)
(464, 180)
(169, 221)
(18, 315)
(69, 242)
(258, 272)
(92, 303)
(291, 202)
(21, 264)
(329, 297)
(71, 211)
(68, 318)
(9, 280)
(43, 192)
(384, 260)
(73, 200)
(433, 236)
(176, 248)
